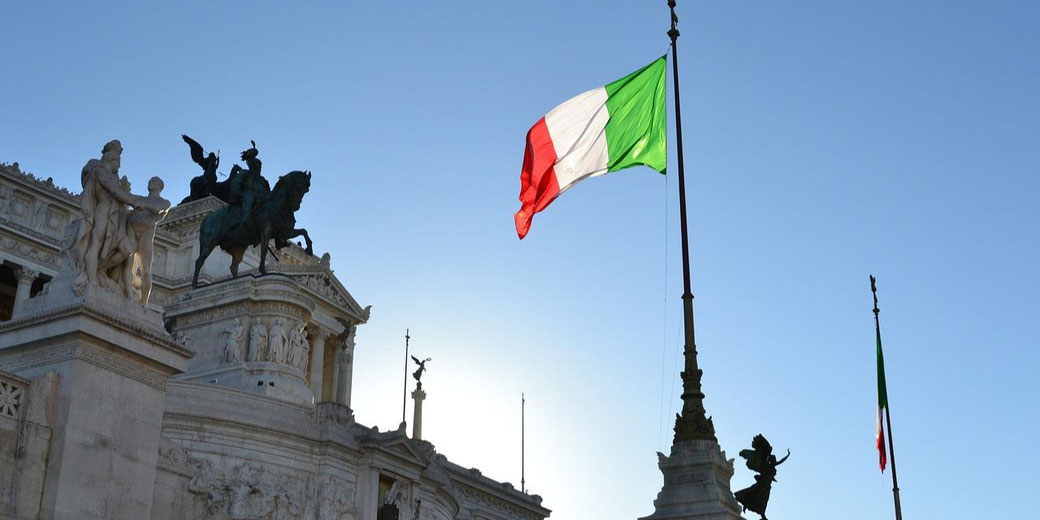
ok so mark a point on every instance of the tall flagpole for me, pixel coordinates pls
(888, 413)
(692, 423)
(523, 404)
(404, 398)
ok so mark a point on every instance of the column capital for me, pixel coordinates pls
(318, 333)
(26, 274)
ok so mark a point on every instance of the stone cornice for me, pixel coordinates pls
(158, 337)
(46, 185)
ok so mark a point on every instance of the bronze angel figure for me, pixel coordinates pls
(422, 368)
(206, 184)
(760, 459)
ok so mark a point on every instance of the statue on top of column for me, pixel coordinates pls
(422, 368)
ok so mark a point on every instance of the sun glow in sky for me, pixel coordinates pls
(824, 141)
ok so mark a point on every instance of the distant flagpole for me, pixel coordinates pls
(883, 400)
(404, 397)
(523, 404)
(692, 423)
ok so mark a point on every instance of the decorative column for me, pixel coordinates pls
(25, 278)
(345, 372)
(418, 395)
(318, 336)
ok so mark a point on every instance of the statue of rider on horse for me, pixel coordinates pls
(255, 214)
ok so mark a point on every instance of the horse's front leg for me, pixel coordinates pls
(310, 246)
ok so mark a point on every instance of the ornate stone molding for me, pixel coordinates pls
(90, 354)
(30, 253)
(26, 275)
(485, 500)
(47, 184)
(158, 337)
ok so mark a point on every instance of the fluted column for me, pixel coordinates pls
(318, 336)
(25, 277)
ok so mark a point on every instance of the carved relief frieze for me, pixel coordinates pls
(32, 253)
(252, 490)
(250, 308)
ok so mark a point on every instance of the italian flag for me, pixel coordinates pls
(882, 404)
(606, 129)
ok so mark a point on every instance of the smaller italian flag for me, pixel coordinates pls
(606, 129)
(882, 404)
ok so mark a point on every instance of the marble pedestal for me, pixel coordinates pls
(233, 324)
(696, 484)
(112, 359)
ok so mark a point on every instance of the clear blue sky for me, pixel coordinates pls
(825, 141)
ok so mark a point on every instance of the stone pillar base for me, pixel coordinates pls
(696, 484)
(112, 359)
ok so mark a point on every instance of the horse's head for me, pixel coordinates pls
(292, 186)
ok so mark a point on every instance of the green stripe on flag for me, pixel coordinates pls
(882, 388)
(637, 128)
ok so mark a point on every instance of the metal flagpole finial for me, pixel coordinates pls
(673, 33)
(873, 290)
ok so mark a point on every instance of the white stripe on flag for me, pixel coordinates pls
(578, 131)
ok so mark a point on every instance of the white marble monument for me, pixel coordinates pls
(124, 394)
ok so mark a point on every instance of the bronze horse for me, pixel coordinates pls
(273, 218)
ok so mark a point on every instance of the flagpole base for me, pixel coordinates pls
(696, 484)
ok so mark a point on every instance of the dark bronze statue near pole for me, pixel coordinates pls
(761, 460)
(255, 215)
(693, 423)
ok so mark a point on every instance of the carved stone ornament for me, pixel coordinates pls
(250, 490)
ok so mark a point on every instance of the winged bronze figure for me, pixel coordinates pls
(761, 460)
(422, 368)
(206, 184)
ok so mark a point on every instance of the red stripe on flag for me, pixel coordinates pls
(882, 456)
(538, 184)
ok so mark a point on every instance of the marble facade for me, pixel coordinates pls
(231, 401)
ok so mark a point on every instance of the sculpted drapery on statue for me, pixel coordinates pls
(254, 216)
(117, 228)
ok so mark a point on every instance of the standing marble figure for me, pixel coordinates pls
(101, 201)
(233, 342)
(113, 238)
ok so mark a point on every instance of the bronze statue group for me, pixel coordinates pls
(255, 213)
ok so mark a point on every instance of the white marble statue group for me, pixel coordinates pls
(279, 343)
(113, 246)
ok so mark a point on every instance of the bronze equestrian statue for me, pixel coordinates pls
(255, 215)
